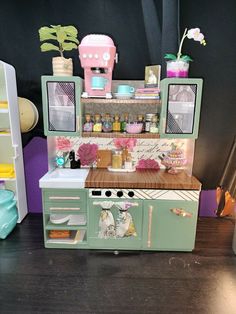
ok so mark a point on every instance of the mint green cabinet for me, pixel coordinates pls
(133, 241)
(181, 104)
(169, 225)
(65, 218)
(61, 105)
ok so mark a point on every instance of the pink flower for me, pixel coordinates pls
(63, 144)
(87, 154)
(122, 143)
(148, 164)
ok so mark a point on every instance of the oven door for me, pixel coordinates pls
(115, 228)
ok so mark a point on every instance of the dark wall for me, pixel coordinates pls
(123, 21)
(216, 64)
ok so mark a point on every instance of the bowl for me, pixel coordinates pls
(134, 128)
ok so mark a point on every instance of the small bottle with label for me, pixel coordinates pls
(128, 162)
(116, 123)
(124, 122)
(140, 120)
(154, 125)
(107, 123)
(88, 125)
(97, 127)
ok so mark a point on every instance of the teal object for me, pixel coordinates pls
(8, 213)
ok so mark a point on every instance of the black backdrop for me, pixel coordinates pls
(142, 30)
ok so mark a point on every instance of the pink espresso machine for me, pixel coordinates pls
(97, 55)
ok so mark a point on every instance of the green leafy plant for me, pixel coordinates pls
(194, 34)
(66, 37)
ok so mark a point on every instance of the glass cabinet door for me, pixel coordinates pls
(61, 105)
(181, 101)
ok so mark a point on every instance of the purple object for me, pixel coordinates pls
(208, 203)
(36, 165)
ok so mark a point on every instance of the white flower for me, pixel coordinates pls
(195, 34)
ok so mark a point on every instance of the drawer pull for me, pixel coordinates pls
(64, 197)
(64, 208)
(181, 212)
(150, 210)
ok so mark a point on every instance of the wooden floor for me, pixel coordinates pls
(38, 280)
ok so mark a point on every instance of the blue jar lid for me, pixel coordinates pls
(6, 196)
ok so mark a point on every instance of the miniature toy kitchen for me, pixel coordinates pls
(120, 158)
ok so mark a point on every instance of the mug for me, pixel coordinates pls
(125, 89)
(98, 82)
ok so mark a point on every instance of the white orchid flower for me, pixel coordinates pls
(195, 34)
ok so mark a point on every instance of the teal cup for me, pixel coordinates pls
(125, 89)
(98, 82)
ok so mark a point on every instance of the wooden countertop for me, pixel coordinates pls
(141, 179)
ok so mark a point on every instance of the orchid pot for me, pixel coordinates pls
(178, 68)
(178, 65)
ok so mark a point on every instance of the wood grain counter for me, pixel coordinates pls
(142, 179)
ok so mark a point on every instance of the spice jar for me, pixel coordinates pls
(140, 120)
(124, 122)
(107, 123)
(88, 125)
(97, 127)
(148, 119)
(154, 124)
(116, 123)
(116, 161)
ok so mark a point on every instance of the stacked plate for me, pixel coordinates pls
(123, 96)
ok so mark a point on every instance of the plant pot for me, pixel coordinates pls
(177, 68)
(62, 66)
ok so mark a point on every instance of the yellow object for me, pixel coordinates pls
(116, 162)
(3, 104)
(7, 171)
(28, 114)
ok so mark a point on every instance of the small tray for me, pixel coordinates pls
(121, 170)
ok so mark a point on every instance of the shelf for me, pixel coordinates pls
(119, 101)
(3, 110)
(3, 134)
(7, 179)
(118, 134)
(64, 226)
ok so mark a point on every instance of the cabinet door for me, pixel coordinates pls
(61, 105)
(114, 239)
(169, 225)
(181, 102)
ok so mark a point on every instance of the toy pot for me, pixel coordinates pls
(177, 68)
(62, 66)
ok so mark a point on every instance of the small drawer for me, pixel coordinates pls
(65, 207)
(64, 195)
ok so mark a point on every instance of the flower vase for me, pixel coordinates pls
(177, 68)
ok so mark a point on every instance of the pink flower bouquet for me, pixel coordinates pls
(87, 154)
(125, 143)
(63, 144)
(148, 164)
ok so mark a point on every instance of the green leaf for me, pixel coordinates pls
(70, 30)
(48, 47)
(46, 30)
(186, 58)
(44, 36)
(69, 46)
(170, 56)
(75, 40)
(61, 36)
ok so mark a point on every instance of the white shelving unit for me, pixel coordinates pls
(10, 137)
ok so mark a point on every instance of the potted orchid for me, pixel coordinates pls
(178, 65)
